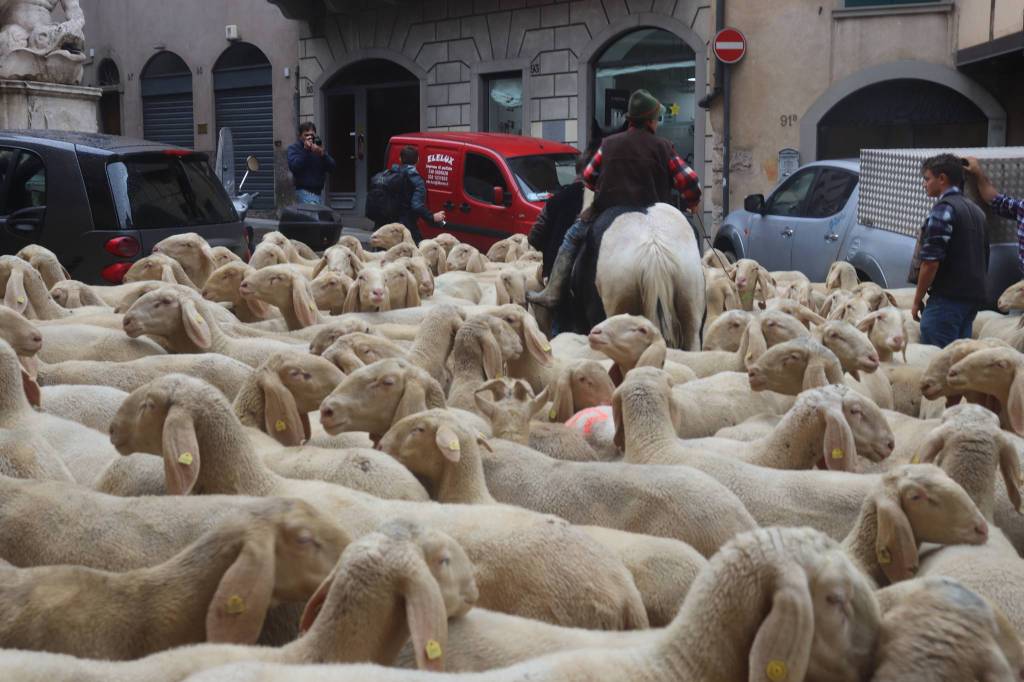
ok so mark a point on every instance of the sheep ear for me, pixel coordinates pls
(318, 268)
(195, 326)
(240, 604)
(15, 296)
(895, 547)
(931, 447)
(539, 401)
(766, 282)
(654, 356)
(503, 297)
(1015, 403)
(315, 603)
(832, 279)
(413, 400)
(477, 263)
(814, 374)
(442, 261)
(620, 428)
(754, 342)
(483, 403)
(351, 304)
(427, 617)
(808, 316)
(167, 274)
(892, 299)
(782, 647)
(563, 405)
(492, 356)
(67, 275)
(839, 446)
(412, 291)
(448, 443)
(522, 391)
(867, 322)
(280, 413)
(615, 374)
(29, 381)
(180, 450)
(86, 296)
(302, 302)
(536, 343)
(1009, 464)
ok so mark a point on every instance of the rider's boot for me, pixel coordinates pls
(560, 271)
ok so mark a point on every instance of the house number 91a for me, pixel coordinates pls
(788, 120)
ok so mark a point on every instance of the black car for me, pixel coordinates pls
(101, 202)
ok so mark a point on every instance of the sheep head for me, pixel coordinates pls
(353, 245)
(630, 341)
(530, 335)
(268, 253)
(447, 241)
(934, 380)
(400, 250)
(488, 340)
(1012, 298)
(851, 346)
(158, 266)
(390, 235)
(373, 398)
(851, 310)
(21, 340)
(509, 405)
(46, 263)
(341, 260)
(841, 275)
(875, 296)
(795, 366)
(222, 255)
(428, 443)
(286, 245)
(466, 257)
(282, 391)
(579, 386)
(887, 329)
(70, 294)
(167, 313)
(352, 351)
(435, 255)
(329, 290)
(335, 330)
(281, 286)
(996, 372)
(189, 249)
(854, 425)
(403, 287)
(369, 292)
(223, 285)
(724, 333)
(752, 279)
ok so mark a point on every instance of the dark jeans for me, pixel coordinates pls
(411, 224)
(945, 320)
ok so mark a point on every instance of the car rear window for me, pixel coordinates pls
(541, 176)
(165, 191)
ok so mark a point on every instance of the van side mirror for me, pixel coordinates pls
(754, 203)
(500, 198)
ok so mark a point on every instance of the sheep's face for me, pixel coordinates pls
(426, 444)
(326, 337)
(223, 284)
(267, 254)
(23, 336)
(452, 570)
(310, 379)
(938, 509)
(272, 284)
(498, 251)
(623, 338)
(724, 333)
(1012, 298)
(871, 431)
(139, 423)
(850, 311)
(400, 250)
(157, 313)
(780, 369)
(779, 327)
(458, 257)
(988, 371)
(852, 347)
(69, 294)
(154, 267)
(387, 236)
(356, 350)
(277, 239)
(352, 244)
(189, 249)
(368, 399)
(507, 338)
(422, 274)
(846, 621)
(329, 289)
(746, 275)
(307, 546)
(447, 241)
(222, 255)
(591, 385)
(372, 287)
(885, 329)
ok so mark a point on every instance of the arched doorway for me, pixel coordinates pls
(108, 77)
(900, 114)
(244, 102)
(658, 61)
(167, 101)
(365, 103)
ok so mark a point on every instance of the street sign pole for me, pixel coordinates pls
(730, 46)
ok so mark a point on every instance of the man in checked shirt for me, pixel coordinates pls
(1003, 205)
(632, 168)
(954, 256)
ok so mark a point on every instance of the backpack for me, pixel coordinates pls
(385, 198)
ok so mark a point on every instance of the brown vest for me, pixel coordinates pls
(634, 170)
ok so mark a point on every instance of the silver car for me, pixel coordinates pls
(810, 220)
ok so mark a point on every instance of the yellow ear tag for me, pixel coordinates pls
(916, 459)
(552, 414)
(433, 649)
(837, 453)
(454, 445)
(776, 671)
(21, 299)
(185, 458)
(884, 557)
(312, 307)
(236, 604)
(279, 425)
(546, 348)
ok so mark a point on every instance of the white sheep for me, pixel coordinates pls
(997, 372)
(482, 346)
(71, 293)
(192, 252)
(841, 275)
(46, 262)
(223, 285)
(752, 279)
(390, 235)
(157, 266)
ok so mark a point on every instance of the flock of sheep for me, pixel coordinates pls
(794, 501)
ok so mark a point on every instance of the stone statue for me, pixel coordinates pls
(34, 47)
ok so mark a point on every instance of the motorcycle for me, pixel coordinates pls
(242, 202)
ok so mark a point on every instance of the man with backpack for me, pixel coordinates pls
(400, 195)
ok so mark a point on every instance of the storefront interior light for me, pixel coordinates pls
(611, 72)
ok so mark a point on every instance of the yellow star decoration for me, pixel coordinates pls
(673, 110)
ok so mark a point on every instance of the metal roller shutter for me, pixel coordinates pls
(249, 112)
(168, 119)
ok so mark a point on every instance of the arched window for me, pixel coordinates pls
(108, 73)
(167, 101)
(108, 77)
(658, 61)
(244, 102)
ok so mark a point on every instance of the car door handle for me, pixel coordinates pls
(831, 237)
(788, 232)
(464, 207)
(448, 206)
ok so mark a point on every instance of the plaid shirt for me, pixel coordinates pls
(684, 178)
(938, 228)
(1011, 208)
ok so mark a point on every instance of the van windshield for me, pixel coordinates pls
(157, 191)
(541, 176)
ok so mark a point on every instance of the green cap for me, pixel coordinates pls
(643, 106)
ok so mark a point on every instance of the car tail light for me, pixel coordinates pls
(115, 272)
(125, 247)
(177, 152)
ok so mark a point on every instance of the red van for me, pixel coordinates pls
(490, 185)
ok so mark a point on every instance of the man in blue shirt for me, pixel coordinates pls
(954, 256)
(1003, 204)
(309, 163)
(414, 199)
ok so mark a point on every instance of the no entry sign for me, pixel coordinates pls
(730, 45)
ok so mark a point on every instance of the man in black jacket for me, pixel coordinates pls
(414, 200)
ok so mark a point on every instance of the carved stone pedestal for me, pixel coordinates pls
(48, 106)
